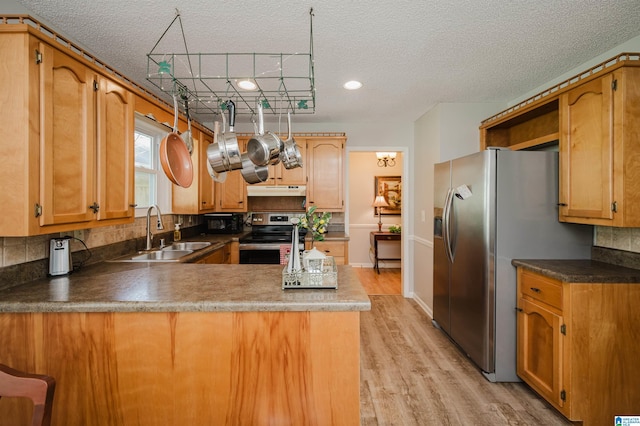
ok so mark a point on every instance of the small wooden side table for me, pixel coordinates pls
(383, 236)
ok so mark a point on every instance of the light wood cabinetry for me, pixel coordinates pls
(280, 175)
(325, 162)
(231, 195)
(533, 126)
(599, 151)
(576, 345)
(115, 186)
(192, 368)
(222, 255)
(593, 118)
(67, 158)
(200, 196)
(338, 249)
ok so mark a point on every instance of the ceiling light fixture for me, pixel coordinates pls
(247, 84)
(386, 159)
(352, 85)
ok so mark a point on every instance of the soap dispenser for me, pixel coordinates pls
(177, 234)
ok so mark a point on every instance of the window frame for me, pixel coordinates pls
(157, 131)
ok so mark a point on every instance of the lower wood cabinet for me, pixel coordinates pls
(338, 249)
(188, 368)
(222, 255)
(578, 346)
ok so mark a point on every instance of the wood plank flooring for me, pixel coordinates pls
(388, 281)
(411, 374)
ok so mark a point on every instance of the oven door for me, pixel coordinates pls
(260, 253)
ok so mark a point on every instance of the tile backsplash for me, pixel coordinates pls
(627, 239)
(17, 250)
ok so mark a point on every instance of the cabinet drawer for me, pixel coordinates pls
(335, 249)
(541, 288)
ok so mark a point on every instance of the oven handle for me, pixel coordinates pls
(260, 246)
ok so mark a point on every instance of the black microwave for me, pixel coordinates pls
(224, 223)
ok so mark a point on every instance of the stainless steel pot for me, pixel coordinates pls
(229, 141)
(264, 148)
(290, 154)
(216, 176)
(224, 155)
(252, 173)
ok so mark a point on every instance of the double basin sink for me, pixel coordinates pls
(171, 253)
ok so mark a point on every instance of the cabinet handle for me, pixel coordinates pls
(95, 207)
(133, 205)
(519, 309)
(562, 204)
(536, 290)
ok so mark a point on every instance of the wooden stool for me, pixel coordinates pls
(38, 388)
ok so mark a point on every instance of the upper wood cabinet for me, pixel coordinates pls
(325, 186)
(599, 151)
(115, 150)
(67, 137)
(67, 155)
(593, 118)
(231, 195)
(199, 197)
(280, 175)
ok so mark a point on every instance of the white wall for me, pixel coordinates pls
(447, 131)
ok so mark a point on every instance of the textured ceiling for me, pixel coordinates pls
(410, 55)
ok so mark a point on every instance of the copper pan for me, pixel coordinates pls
(174, 155)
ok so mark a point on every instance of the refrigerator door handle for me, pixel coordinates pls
(446, 224)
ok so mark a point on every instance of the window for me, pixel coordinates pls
(151, 184)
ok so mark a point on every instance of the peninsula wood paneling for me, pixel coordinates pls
(189, 368)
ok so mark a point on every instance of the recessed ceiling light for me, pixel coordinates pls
(247, 85)
(352, 85)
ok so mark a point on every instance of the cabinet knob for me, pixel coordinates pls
(536, 290)
(95, 207)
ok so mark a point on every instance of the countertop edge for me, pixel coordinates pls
(580, 270)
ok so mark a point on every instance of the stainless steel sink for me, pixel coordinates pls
(193, 246)
(155, 256)
(162, 255)
(171, 253)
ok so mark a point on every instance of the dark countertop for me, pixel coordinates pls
(580, 270)
(180, 287)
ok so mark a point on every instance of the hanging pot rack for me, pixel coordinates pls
(284, 81)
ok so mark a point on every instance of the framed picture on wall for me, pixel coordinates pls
(390, 187)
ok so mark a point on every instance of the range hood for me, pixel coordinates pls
(276, 190)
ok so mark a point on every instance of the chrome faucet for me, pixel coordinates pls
(159, 225)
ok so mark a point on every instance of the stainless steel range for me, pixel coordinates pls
(269, 231)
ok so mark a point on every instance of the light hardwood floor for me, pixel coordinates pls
(412, 374)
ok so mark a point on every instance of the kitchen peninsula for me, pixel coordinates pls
(172, 343)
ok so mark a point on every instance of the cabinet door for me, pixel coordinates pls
(206, 186)
(67, 139)
(337, 249)
(231, 195)
(324, 166)
(586, 146)
(115, 151)
(539, 350)
(280, 175)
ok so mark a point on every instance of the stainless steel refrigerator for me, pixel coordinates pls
(491, 207)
